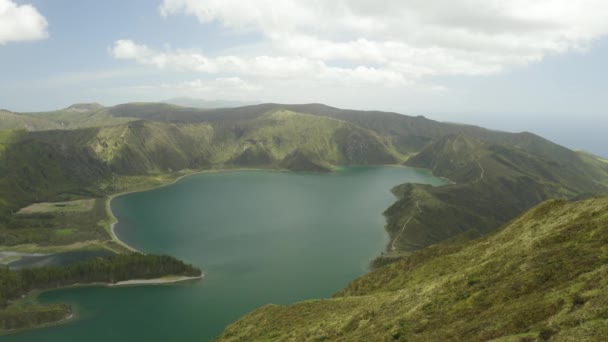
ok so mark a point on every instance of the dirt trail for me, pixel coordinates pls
(404, 226)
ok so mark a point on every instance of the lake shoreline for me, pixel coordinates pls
(380, 182)
(114, 220)
(64, 320)
(136, 282)
(169, 280)
(111, 229)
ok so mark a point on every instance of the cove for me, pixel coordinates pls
(260, 237)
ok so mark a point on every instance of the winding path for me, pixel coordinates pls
(483, 171)
(405, 225)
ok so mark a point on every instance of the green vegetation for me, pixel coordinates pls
(541, 277)
(53, 165)
(10, 120)
(138, 145)
(17, 313)
(494, 184)
(80, 115)
(64, 231)
(59, 224)
(78, 205)
(6, 137)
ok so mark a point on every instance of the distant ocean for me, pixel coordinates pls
(591, 139)
(578, 132)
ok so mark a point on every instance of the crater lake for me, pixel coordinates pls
(261, 237)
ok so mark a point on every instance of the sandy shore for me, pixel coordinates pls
(167, 280)
(113, 221)
(136, 282)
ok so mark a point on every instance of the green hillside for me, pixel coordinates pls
(100, 150)
(493, 184)
(541, 277)
(10, 120)
(76, 116)
(80, 115)
(406, 133)
(58, 168)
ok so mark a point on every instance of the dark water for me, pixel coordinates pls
(260, 237)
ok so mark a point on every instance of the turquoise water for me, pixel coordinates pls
(260, 237)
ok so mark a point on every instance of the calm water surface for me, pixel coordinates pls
(260, 237)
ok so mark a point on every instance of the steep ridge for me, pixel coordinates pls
(407, 133)
(494, 184)
(541, 277)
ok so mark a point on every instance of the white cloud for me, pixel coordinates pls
(259, 67)
(20, 23)
(354, 42)
(218, 84)
(127, 49)
(234, 88)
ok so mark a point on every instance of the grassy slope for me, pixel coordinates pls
(79, 116)
(597, 163)
(63, 225)
(406, 134)
(494, 183)
(541, 276)
(37, 166)
(73, 117)
(10, 120)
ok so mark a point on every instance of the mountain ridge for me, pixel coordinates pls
(82, 152)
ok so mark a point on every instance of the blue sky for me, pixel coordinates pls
(506, 65)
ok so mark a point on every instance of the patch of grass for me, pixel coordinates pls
(55, 207)
(64, 231)
(56, 224)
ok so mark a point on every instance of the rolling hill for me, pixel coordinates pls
(10, 120)
(493, 184)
